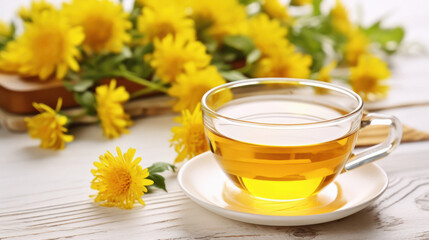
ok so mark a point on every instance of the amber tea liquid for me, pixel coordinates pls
(270, 164)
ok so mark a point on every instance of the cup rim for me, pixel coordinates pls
(307, 82)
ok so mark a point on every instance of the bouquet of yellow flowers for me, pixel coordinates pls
(183, 49)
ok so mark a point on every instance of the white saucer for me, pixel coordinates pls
(204, 182)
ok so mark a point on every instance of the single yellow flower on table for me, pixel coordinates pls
(189, 139)
(120, 180)
(356, 46)
(221, 17)
(36, 8)
(277, 11)
(192, 85)
(159, 20)
(340, 18)
(111, 113)
(368, 78)
(267, 35)
(172, 54)
(48, 45)
(49, 126)
(324, 75)
(104, 23)
(284, 63)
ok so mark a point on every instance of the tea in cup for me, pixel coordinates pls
(287, 139)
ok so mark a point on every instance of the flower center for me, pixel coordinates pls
(367, 83)
(282, 70)
(120, 181)
(163, 29)
(175, 64)
(98, 31)
(49, 46)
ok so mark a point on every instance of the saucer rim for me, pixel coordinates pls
(276, 220)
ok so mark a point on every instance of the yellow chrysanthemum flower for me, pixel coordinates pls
(324, 75)
(300, 2)
(340, 19)
(356, 46)
(276, 10)
(48, 45)
(189, 139)
(158, 21)
(120, 180)
(36, 8)
(368, 78)
(49, 126)
(4, 29)
(111, 113)
(172, 54)
(104, 23)
(221, 17)
(191, 86)
(284, 63)
(267, 35)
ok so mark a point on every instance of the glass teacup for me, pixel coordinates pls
(287, 139)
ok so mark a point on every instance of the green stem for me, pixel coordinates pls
(133, 78)
(76, 116)
(142, 92)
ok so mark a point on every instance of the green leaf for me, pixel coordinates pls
(143, 70)
(388, 38)
(135, 13)
(68, 85)
(71, 75)
(316, 7)
(126, 52)
(86, 100)
(308, 40)
(253, 56)
(230, 56)
(220, 65)
(233, 75)
(160, 167)
(158, 181)
(83, 85)
(241, 43)
(142, 50)
(211, 44)
(111, 61)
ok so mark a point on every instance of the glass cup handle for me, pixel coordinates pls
(382, 149)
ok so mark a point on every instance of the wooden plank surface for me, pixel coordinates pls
(45, 194)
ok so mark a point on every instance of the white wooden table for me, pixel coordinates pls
(45, 194)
